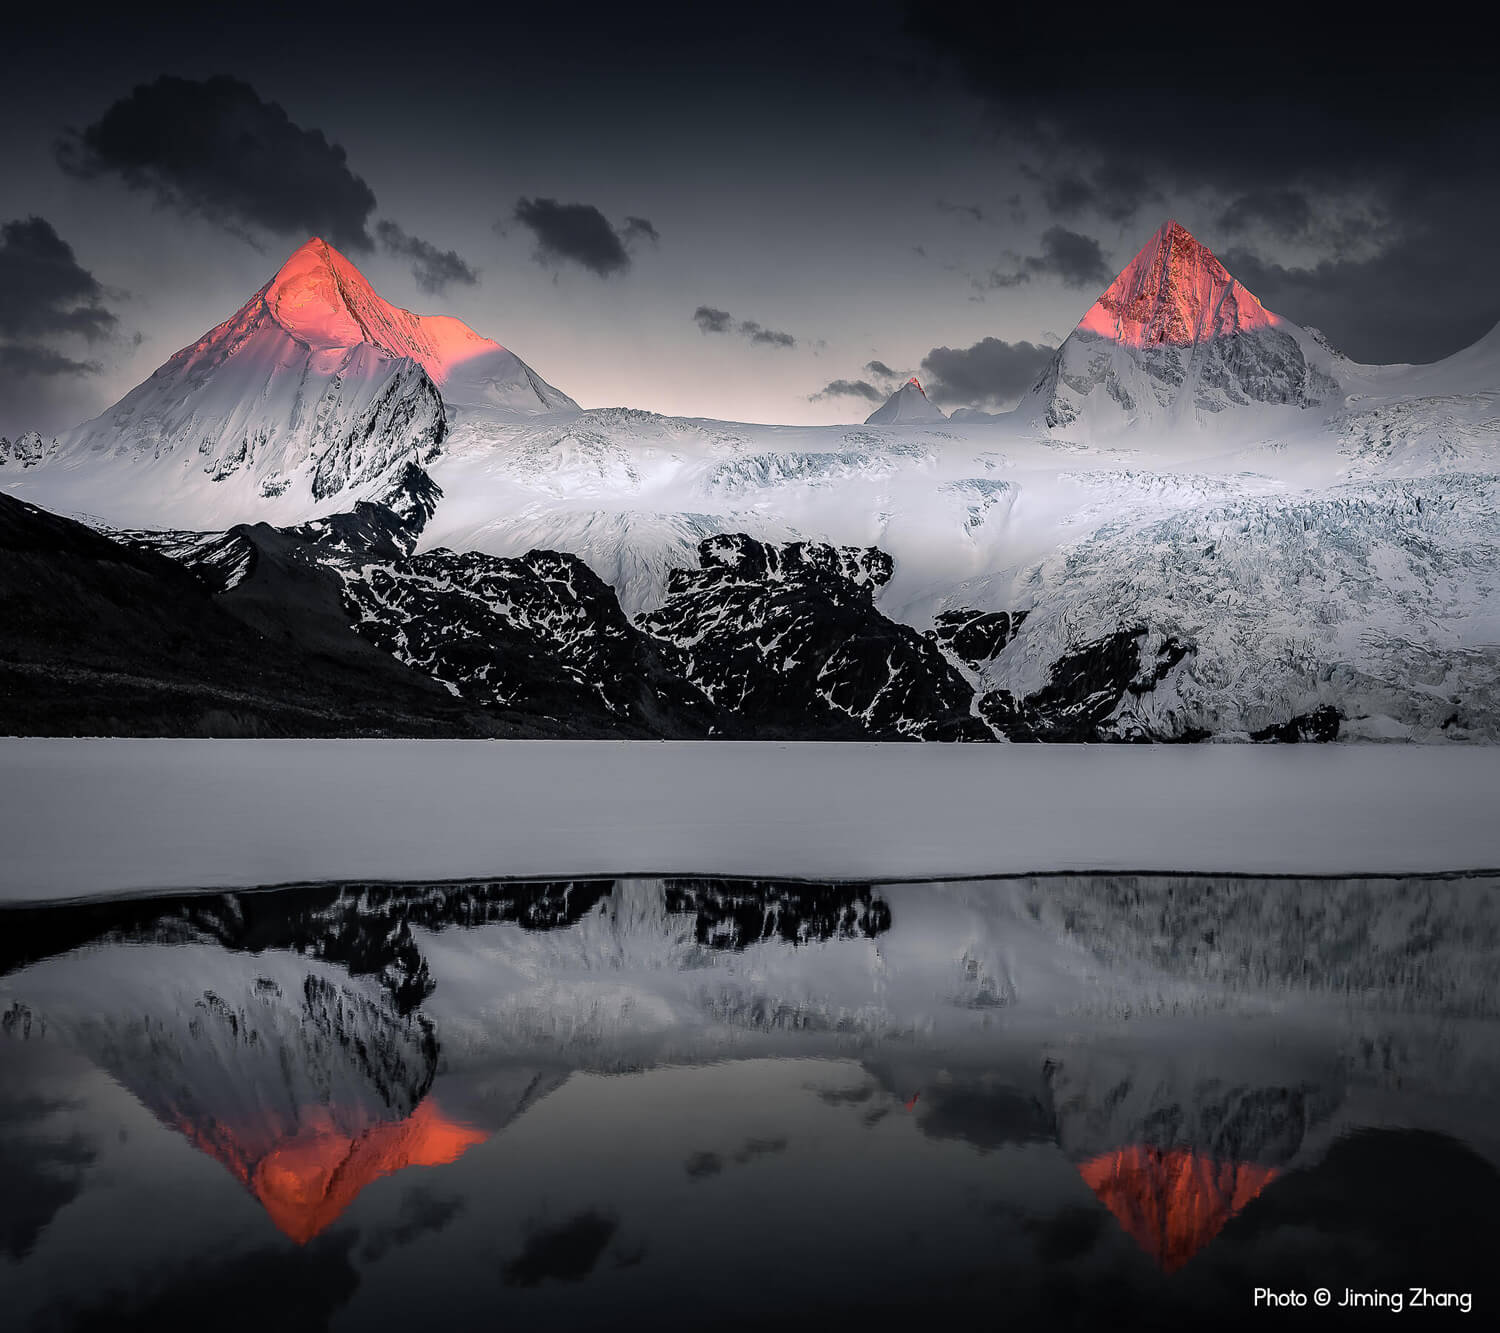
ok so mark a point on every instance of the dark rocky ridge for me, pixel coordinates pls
(335, 627)
(104, 638)
(789, 638)
(1085, 690)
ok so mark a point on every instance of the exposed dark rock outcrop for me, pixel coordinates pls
(1086, 689)
(975, 637)
(733, 914)
(1320, 725)
(788, 638)
(104, 638)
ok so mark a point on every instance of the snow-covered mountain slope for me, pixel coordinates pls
(908, 403)
(313, 388)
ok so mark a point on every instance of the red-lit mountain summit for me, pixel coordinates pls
(315, 384)
(1175, 340)
(1175, 291)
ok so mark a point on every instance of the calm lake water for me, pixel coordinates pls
(1063, 1102)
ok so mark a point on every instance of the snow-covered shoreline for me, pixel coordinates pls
(88, 817)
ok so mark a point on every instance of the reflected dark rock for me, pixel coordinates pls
(734, 914)
(366, 929)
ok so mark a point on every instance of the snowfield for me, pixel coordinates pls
(84, 818)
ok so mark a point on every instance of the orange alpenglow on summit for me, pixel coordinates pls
(308, 1179)
(1175, 292)
(1172, 1202)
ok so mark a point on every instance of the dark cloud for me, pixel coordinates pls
(420, 1213)
(1114, 190)
(1407, 132)
(1285, 213)
(711, 320)
(214, 147)
(43, 1172)
(435, 270)
(566, 1253)
(30, 359)
(986, 1117)
(46, 297)
(972, 211)
(1072, 258)
(771, 337)
(882, 371)
(298, 1289)
(43, 289)
(702, 1165)
(1410, 303)
(990, 372)
(850, 389)
(581, 234)
(639, 229)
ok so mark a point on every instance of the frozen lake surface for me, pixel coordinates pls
(88, 817)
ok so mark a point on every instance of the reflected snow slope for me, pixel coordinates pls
(580, 1101)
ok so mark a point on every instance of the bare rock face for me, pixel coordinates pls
(789, 639)
(26, 450)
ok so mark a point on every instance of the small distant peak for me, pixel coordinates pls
(909, 403)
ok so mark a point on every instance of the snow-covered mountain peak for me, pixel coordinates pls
(1174, 291)
(1176, 341)
(324, 301)
(908, 403)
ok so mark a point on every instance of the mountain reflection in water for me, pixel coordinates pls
(1172, 1203)
(1096, 1094)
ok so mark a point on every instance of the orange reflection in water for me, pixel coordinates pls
(308, 1179)
(1172, 1201)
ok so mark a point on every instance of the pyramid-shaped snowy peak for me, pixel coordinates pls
(314, 385)
(1177, 342)
(325, 302)
(1174, 291)
(908, 404)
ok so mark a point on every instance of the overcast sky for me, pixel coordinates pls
(766, 215)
